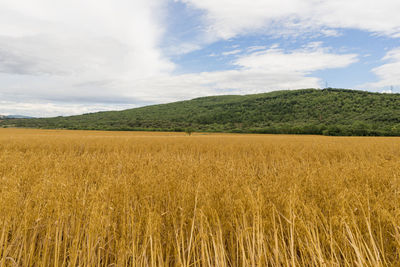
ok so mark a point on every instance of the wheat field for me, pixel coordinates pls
(81, 198)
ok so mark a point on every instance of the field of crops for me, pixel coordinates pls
(80, 198)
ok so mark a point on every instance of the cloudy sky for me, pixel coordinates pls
(69, 57)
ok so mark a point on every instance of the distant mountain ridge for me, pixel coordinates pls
(15, 117)
(307, 111)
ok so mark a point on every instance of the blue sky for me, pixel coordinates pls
(73, 57)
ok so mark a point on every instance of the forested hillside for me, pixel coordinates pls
(308, 111)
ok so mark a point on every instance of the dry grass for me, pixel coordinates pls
(155, 199)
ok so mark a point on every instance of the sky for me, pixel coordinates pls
(69, 57)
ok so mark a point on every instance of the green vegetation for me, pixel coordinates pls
(308, 111)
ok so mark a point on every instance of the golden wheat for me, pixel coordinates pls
(80, 198)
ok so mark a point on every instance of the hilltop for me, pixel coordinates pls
(308, 111)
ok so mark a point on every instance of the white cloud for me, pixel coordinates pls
(181, 48)
(388, 73)
(68, 36)
(226, 18)
(66, 49)
(256, 48)
(232, 52)
(306, 60)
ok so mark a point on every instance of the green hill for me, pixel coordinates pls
(308, 111)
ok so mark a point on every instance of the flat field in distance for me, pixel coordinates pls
(81, 198)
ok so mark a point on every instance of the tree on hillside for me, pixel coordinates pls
(189, 131)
